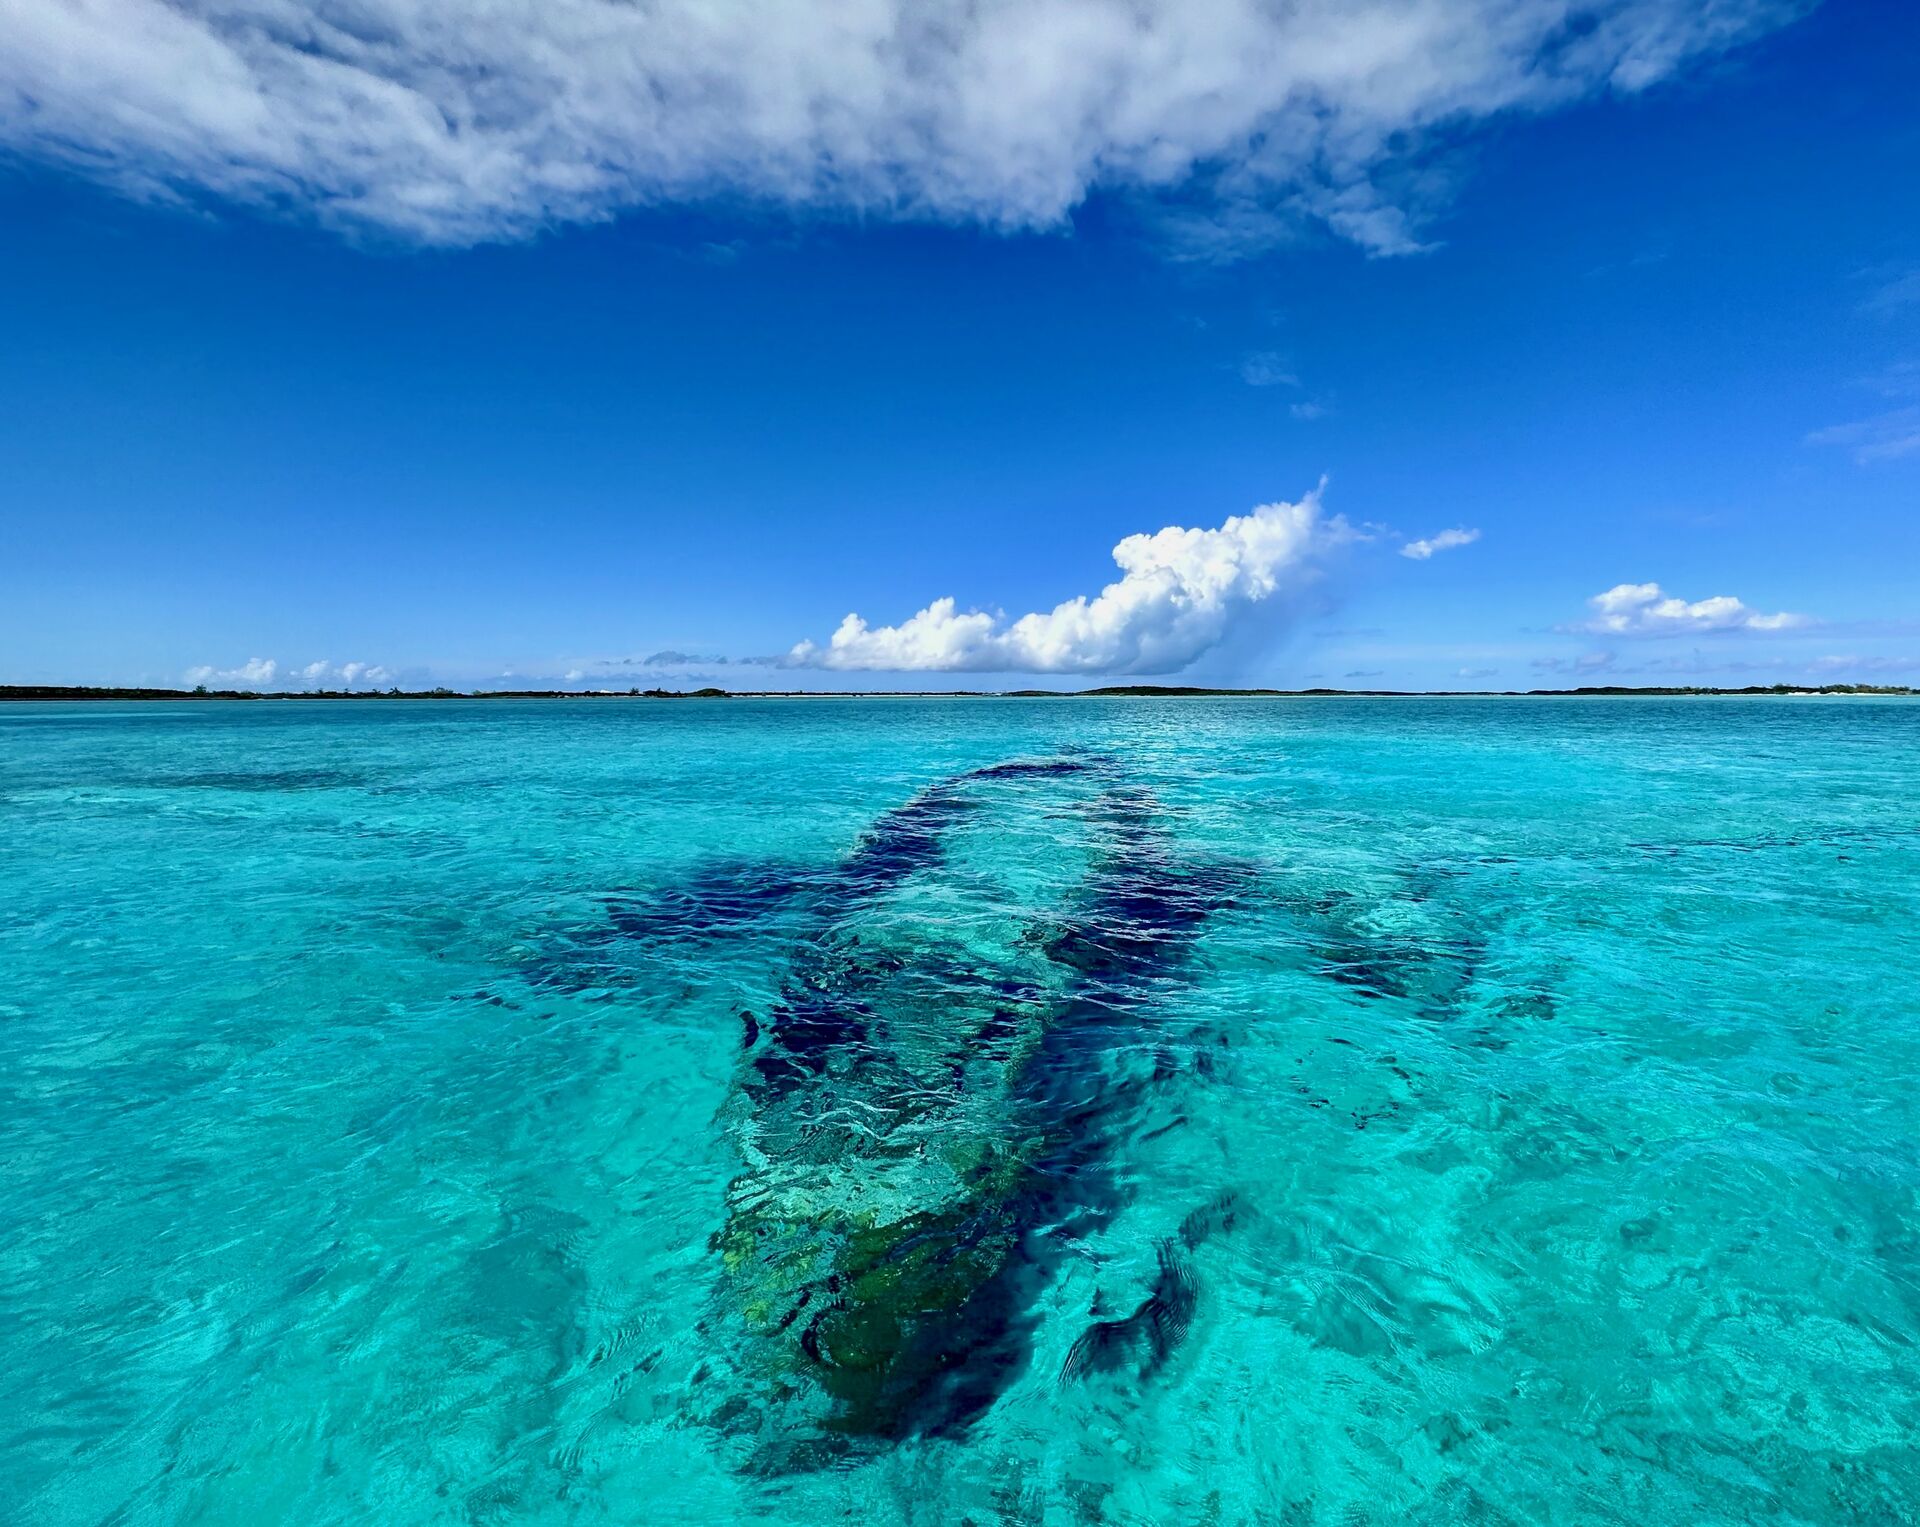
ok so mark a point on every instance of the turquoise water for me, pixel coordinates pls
(1498, 1111)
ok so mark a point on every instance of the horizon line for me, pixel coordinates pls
(19, 693)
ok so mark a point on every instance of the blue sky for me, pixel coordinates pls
(604, 404)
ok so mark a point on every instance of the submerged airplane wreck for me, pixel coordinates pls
(976, 1018)
(931, 1108)
(970, 1022)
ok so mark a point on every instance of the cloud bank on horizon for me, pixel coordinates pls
(451, 121)
(259, 672)
(1179, 592)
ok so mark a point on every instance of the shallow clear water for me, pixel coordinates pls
(1436, 1110)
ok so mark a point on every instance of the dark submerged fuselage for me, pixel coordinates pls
(914, 1322)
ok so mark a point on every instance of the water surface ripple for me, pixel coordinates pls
(1094, 1111)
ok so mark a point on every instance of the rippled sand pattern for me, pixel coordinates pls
(961, 1111)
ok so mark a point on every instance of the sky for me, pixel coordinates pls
(1416, 344)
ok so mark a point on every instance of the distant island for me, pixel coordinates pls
(1138, 691)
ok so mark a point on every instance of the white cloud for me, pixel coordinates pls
(1179, 591)
(259, 672)
(1642, 609)
(455, 120)
(1879, 438)
(323, 675)
(255, 673)
(1445, 541)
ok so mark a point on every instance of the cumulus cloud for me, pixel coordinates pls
(1421, 550)
(1642, 609)
(259, 672)
(255, 673)
(1179, 592)
(455, 121)
(323, 674)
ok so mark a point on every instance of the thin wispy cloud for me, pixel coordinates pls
(1179, 593)
(1894, 289)
(1266, 368)
(1838, 668)
(1585, 663)
(1446, 540)
(1880, 437)
(1645, 609)
(450, 121)
(1855, 663)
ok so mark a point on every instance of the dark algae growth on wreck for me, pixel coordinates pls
(1164, 1109)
